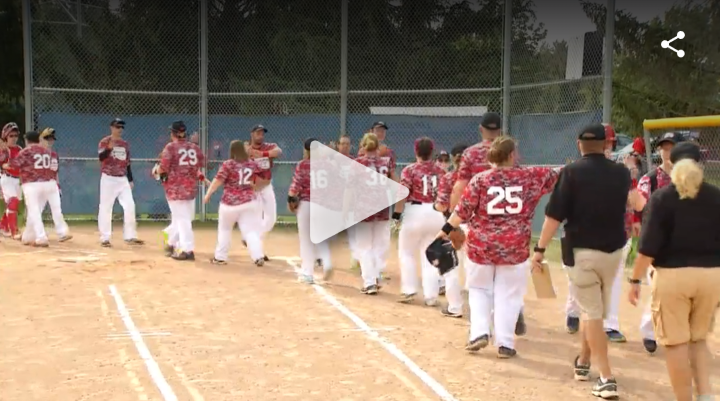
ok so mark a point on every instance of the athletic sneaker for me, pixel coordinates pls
(65, 238)
(615, 336)
(607, 390)
(259, 262)
(582, 372)
(650, 345)
(134, 241)
(431, 302)
(478, 343)
(442, 291)
(406, 298)
(506, 353)
(169, 250)
(520, 327)
(189, 256)
(106, 244)
(370, 290)
(572, 324)
(306, 279)
(446, 312)
(217, 261)
(41, 245)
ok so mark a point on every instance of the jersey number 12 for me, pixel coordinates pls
(509, 195)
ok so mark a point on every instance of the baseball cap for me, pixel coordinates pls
(609, 133)
(308, 143)
(258, 127)
(379, 124)
(118, 122)
(593, 132)
(669, 137)
(32, 136)
(685, 150)
(178, 126)
(491, 120)
(8, 128)
(48, 133)
(443, 153)
(458, 149)
(639, 146)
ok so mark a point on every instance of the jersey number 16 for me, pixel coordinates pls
(509, 195)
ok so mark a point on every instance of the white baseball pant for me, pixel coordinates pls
(247, 217)
(37, 194)
(10, 188)
(112, 188)
(372, 240)
(420, 226)
(501, 288)
(172, 235)
(182, 213)
(463, 259)
(612, 322)
(646, 324)
(322, 252)
(266, 196)
(309, 252)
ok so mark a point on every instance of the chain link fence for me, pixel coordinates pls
(302, 68)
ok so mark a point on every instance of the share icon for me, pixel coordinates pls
(666, 44)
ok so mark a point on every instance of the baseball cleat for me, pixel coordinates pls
(406, 298)
(442, 291)
(478, 343)
(65, 238)
(520, 326)
(505, 353)
(370, 290)
(106, 244)
(134, 241)
(266, 259)
(615, 336)
(189, 256)
(259, 262)
(581, 372)
(431, 302)
(607, 390)
(169, 250)
(41, 245)
(306, 279)
(650, 345)
(446, 312)
(217, 261)
(572, 324)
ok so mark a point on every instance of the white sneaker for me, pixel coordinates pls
(432, 302)
(305, 279)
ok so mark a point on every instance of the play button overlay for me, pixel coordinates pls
(344, 192)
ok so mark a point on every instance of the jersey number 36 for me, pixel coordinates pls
(510, 195)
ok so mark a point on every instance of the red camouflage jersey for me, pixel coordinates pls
(300, 184)
(384, 166)
(445, 188)
(310, 177)
(238, 181)
(182, 161)
(422, 179)
(498, 206)
(663, 180)
(390, 153)
(474, 161)
(115, 164)
(265, 164)
(34, 164)
(8, 154)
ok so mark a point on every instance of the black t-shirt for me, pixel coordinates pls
(682, 233)
(591, 197)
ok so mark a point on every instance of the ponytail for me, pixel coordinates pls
(687, 175)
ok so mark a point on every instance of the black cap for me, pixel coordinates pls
(379, 124)
(491, 121)
(458, 149)
(32, 136)
(685, 150)
(118, 121)
(669, 137)
(259, 127)
(178, 126)
(308, 143)
(593, 132)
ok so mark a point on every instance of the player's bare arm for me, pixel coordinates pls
(213, 186)
(636, 200)
(457, 192)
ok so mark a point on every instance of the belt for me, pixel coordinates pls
(420, 203)
(118, 176)
(10, 175)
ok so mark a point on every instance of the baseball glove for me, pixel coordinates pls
(293, 203)
(442, 255)
(457, 238)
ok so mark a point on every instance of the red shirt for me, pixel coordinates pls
(643, 186)
(265, 164)
(474, 161)
(390, 153)
(238, 179)
(422, 179)
(115, 164)
(498, 206)
(445, 187)
(34, 164)
(301, 181)
(182, 161)
(384, 166)
(8, 154)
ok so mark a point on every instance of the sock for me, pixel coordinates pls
(3, 222)
(12, 222)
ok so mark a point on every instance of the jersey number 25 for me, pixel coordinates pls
(509, 195)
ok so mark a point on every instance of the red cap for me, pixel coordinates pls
(609, 133)
(639, 146)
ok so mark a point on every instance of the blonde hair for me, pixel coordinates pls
(687, 175)
(370, 142)
(501, 149)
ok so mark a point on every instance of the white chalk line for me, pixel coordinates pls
(434, 385)
(152, 366)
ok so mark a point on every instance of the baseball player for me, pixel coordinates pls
(116, 182)
(498, 205)
(34, 164)
(264, 153)
(420, 224)
(47, 139)
(474, 161)
(181, 166)
(443, 161)
(10, 180)
(372, 235)
(239, 204)
(303, 182)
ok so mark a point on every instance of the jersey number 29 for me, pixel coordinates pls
(188, 157)
(509, 195)
(41, 161)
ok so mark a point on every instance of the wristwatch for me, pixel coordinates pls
(538, 249)
(634, 280)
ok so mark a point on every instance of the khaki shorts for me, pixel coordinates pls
(592, 279)
(684, 301)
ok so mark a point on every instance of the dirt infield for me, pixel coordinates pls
(81, 322)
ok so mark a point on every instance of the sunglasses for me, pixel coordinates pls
(119, 126)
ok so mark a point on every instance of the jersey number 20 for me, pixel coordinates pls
(509, 195)
(41, 161)
(188, 157)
